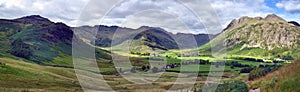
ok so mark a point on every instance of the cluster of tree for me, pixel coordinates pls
(175, 57)
(138, 53)
(287, 57)
(199, 61)
(172, 65)
(257, 72)
(269, 66)
(236, 64)
(246, 70)
(145, 68)
(248, 59)
(261, 71)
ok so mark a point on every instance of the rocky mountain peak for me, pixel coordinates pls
(267, 33)
(274, 18)
(246, 19)
(236, 22)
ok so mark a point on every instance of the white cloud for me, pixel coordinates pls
(232, 9)
(156, 19)
(175, 10)
(289, 5)
(169, 15)
(226, 9)
(66, 11)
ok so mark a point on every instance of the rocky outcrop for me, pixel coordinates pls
(267, 33)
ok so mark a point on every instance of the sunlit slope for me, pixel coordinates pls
(286, 79)
(16, 75)
(271, 37)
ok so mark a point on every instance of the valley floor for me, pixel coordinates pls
(17, 75)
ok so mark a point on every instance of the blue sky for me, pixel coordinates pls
(272, 4)
(68, 11)
(289, 9)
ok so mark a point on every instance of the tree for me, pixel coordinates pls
(288, 57)
(232, 86)
(257, 72)
(144, 68)
(246, 70)
(232, 67)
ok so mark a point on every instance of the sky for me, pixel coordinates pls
(171, 15)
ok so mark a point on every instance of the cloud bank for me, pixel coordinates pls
(172, 15)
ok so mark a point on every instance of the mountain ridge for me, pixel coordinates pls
(153, 37)
(31, 37)
(269, 37)
(37, 39)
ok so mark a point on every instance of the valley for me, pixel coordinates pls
(36, 55)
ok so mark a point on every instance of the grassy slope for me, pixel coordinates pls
(22, 76)
(42, 49)
(286, 79)
(19, 76)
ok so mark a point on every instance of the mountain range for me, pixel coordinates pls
(42, 41)
(143, 40)
(37, 39)
(248, 41)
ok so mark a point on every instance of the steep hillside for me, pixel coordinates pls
(271, 36)
(144, 39)
(37, 39)
(20, 76)
(285, 79)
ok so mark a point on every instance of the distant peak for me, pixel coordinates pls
(245, 19)
(236, 22)
(34, 19)
(294, 23)
(148, 27)
(145, 27)
(34, 16)
(274, 18)
(271, 15)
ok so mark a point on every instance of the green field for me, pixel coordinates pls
(202, 68)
